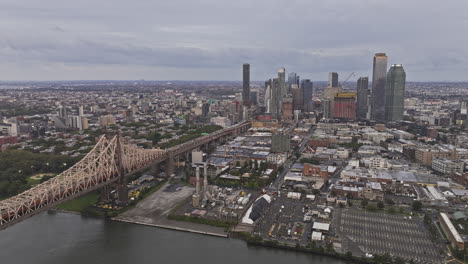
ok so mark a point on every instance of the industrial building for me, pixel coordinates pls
(451, 232)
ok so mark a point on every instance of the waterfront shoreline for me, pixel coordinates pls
(173, 228)
(227, 235)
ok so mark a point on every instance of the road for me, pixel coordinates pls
(276, 184)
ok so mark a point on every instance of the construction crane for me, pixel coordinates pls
(351, 75)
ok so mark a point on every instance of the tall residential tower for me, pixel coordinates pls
(332, 79)
(379, 73)
(308, 92)
(362, 97)
(246, 84)
(395, 93)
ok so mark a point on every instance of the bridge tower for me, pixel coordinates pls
(170, 164)
(121, 185)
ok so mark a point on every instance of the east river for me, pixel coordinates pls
(64, 238)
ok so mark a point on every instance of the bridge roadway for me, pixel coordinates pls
(109, 162)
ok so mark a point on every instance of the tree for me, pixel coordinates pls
(371, 207)
(398, 259)
(364, 203)
(315, 192)
(427, 219)
(380, 205)
(416, 206)
(281, 169)
(391, 210)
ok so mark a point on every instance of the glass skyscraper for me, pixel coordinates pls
(395, 93)
(282, 81)
(378, 87)
(308, 91)
(246, 84)
(362, 97)
(332, 79)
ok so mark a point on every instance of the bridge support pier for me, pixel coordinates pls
(122, 193)
(170, 165)
(105, 193)
(156, 169)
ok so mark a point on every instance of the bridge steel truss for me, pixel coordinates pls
(109, 161)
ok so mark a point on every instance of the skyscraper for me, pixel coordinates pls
(275, 98)
(344, 106)
(246, 84)
(362, 97)
(332, 79)
(297, 97)
(308, 92)
(268, 97)
(282, 81)
(395, 93)
(254, 96)
(378, 86)
(293, 78)
(81, 110)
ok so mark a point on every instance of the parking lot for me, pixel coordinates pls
(364, 232)
(284, 221)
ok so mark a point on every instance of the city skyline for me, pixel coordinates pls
(57, 41)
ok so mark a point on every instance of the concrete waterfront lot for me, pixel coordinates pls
(154, 210)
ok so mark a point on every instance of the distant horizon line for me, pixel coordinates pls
(239, 81)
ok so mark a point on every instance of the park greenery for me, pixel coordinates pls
(254, 181)
(17, 166)
(80, 204)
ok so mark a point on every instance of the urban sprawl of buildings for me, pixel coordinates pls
(368, 170)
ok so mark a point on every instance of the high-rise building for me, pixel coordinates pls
(268, 97)
(379, 73)
(81, 110)
(275, 98)
(395, 93)
(362, 97)
(62, 111)
(327, 105)
(308, 93)
(76, 122)
(464, 107)
(254, 96)
(246, 84)
(344, 106)
(293, 78)
(332, 79)
(282, 81)
(84, 122)
(297, 97)
(287, 109)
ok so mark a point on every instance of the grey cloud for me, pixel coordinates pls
(209, 39)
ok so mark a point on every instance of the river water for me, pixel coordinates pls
(64, 238)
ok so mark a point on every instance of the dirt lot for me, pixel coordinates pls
(154, 209)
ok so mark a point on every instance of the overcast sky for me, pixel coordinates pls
(210, 39)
